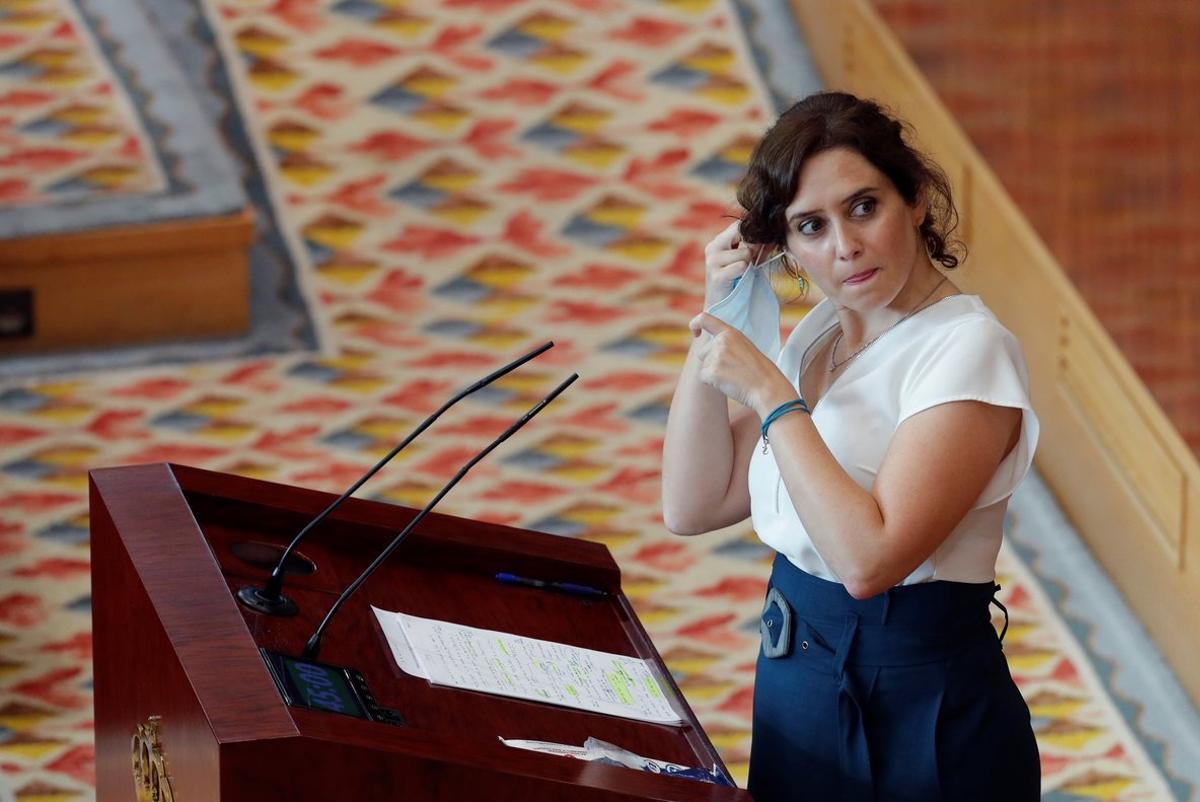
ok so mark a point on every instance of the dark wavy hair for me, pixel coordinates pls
(828, 120)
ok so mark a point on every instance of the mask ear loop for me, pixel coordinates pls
(801, 282)
(779, 255)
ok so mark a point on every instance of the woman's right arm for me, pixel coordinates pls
(706, 457)
(706, 453)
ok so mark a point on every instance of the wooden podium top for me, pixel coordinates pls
(195, 537)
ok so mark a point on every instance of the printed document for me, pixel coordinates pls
(526, 668)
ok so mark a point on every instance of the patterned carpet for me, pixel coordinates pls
(68, 132)
(461, 181)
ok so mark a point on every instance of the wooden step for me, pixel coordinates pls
(171, 280)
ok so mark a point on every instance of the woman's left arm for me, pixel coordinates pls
(937, 465)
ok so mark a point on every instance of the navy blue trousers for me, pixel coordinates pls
(904, 696)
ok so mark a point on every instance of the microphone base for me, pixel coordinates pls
(254, 598)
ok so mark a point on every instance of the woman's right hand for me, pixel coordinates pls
(726, 258)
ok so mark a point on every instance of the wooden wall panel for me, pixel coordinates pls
(1120, 469)
(1085, 112)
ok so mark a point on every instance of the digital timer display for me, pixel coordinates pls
(322, 687)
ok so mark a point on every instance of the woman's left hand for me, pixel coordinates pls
(730, 363)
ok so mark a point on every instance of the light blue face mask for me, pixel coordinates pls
(752, 308)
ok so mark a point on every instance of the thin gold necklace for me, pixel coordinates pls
(834, 364)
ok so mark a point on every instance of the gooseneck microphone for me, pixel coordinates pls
(270, 599)
(313, 646)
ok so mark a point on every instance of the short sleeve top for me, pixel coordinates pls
(952, 350)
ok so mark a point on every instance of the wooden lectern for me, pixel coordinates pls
(186, 703)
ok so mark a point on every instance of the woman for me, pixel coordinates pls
(875, 452)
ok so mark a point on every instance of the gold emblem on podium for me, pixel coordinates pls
(151, 782)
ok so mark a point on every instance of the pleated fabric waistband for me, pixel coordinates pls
(906, 625)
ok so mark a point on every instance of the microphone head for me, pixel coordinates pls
(312, 647)
(260, 602)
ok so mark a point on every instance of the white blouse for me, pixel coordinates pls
(953, 350)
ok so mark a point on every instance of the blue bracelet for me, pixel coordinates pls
(780, 411)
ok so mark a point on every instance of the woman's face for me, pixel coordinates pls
(852, 232)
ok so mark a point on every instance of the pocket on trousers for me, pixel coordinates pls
(775, 626)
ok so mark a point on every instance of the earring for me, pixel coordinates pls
(802, 285)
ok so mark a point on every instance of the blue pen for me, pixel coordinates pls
(566, 587)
